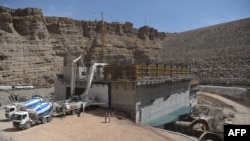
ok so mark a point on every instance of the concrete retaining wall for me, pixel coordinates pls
(158, 100)
(60, 90)
(101, 92)
(236, 93)
(123, 95)
(161, 108)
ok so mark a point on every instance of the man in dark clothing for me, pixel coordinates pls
(78, 112)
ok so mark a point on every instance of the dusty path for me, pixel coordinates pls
(242, 113)
(90, 127)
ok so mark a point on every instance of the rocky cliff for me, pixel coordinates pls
(33, 46)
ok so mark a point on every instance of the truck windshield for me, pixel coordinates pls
(17, 117)
(9, 109)
(12, 109)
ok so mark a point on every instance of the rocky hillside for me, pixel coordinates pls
(220, 51)
(33, 46)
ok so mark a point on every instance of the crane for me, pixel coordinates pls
(102, 38)
(85, 94)
(73, 73)
(90, 79)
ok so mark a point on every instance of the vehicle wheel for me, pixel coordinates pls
(49, 119)
(44, 120)
(73, 112)
(27, 125)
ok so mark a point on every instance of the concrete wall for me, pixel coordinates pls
(123, 95)
(158, 100)
(67, 72)
(60, 90)
(101, 92)
(153, 115)
(147, 94)
(236, 93)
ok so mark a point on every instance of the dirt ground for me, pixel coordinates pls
(89, 126)
(241, 113)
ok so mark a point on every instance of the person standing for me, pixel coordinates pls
(64, 112)
(109, 117)
(78, 112)
(106, 115)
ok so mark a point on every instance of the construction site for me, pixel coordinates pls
(93, 80)
(144, 93)
(153, 98)
(149, 96)
(137, 89)
(158, 99)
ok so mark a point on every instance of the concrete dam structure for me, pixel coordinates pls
(151, 103)
(151, 94)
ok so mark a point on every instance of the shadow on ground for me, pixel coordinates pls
(4, 120)
(101, 112)
(11, 130)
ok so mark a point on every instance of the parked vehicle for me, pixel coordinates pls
(67, 107)
(40, 114)
(15, 107)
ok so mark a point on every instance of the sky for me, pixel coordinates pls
(163, 15)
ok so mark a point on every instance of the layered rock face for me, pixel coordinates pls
(220, 51)
(25, 51)
(33, 46)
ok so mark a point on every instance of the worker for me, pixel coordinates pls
(78, 112)
(9, 118)
(106, 115)
(83, 108)
(64, 112)
(109, 117)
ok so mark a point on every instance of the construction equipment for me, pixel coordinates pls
(70, 106)
(77, 103)
(102, 39)
(67, 107)
(30, 117)
(15, 107)
(73, 73)
(85, 96)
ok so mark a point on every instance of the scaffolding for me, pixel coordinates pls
(144, 72)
